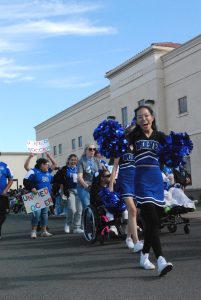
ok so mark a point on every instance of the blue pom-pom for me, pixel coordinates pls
(112, 201)
(110, 138)
(175, 148)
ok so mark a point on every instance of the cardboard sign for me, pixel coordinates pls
(38, 146)
(34, 202)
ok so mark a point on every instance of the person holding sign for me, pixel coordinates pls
(38, 178)
(6, 180)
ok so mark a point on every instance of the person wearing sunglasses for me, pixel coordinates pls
(88, 165)
(101, 181)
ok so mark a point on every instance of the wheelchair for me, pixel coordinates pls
(97, 226)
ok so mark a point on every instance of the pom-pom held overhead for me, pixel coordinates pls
(175, 148)
(110, 138)
(112, 201)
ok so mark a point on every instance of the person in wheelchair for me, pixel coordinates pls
(101, 180)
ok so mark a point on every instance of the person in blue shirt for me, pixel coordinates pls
(6, 180)
(67, 177)
(37, 178)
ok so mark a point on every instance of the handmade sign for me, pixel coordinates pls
(34, 202)
(38, 146)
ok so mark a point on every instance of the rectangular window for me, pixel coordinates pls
(55, 150)
(79, 141)
(141, 102)
(60, 148)
(124, 113)
(182, 102)
(73, 144)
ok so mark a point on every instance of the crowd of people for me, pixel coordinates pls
(136, 175)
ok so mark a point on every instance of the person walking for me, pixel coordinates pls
(149, 188)
(67, 178)
(125, 186)
(88, 165)
(6, 180)
(37, 178)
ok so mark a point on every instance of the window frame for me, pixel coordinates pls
(182, 105)
(80, 141)
(73, 144)
(124, 116)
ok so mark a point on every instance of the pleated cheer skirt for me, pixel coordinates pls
(125, 182)
(149, 186)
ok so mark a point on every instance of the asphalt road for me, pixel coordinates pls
(67, 267)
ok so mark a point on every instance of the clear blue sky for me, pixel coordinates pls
(55, 53)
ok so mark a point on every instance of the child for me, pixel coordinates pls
(100, 182)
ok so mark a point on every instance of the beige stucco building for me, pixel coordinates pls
(15, 161)
(165, 75)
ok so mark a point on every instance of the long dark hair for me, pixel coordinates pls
(95, 187)
(137, 131)
(70, 156)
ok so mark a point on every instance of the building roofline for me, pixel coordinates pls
(184, 47)
(147, 51)
(14, 153)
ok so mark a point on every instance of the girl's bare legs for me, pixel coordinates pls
(132, 216)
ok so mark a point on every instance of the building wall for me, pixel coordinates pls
(162, 74)
(15, 161)
(182, 73)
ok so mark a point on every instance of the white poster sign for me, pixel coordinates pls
(38, 146)
(34, 202)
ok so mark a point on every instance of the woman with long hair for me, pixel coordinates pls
(149, 188)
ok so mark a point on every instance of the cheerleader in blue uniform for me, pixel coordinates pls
(149, 191)
(125, 183)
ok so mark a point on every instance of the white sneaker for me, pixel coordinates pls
(46, 234)
(138, 246)
(145, 262)
(113, 229)
(33, 234)
(163, 266)
(129, 243)
(66, 228)
(78, 230)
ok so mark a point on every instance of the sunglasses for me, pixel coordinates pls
(92, 149)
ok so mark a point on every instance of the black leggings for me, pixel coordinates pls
(2, 219)
(151, 216)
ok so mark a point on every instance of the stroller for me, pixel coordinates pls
(177, 205)
(173, 217)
